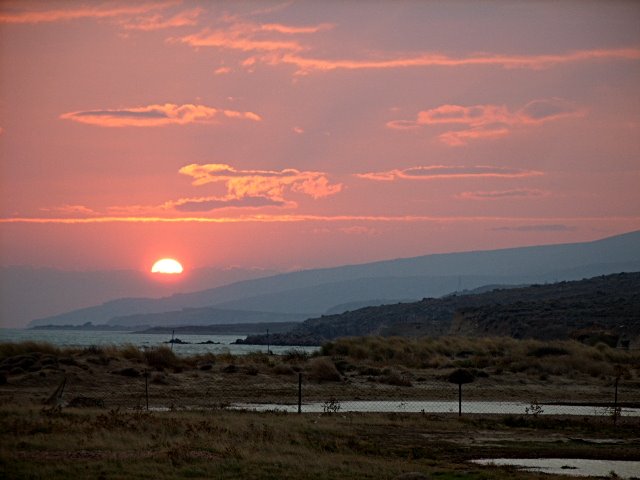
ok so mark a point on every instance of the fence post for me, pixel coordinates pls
(615, 401)
(299, 392)
(146, 387)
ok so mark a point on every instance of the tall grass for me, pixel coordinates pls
(501, 353)
(12, 349)
(494, 355)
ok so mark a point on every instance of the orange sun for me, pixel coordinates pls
(167, 266)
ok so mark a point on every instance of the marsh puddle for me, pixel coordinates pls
(576, 467)
(434, 407)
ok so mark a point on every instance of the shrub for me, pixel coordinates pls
(159, 378)
(127, 372)
(161, 357)
(547, 350)
(131, 352)
(393, 377)
(282, 369)
(92, 350)
(323, 369)
(230, 369)
(460, 376)
(294, 355)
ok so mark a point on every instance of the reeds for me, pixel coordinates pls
(501, 354)
(493, 355)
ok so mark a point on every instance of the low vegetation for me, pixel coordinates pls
(118, 444)
(100, 428)
(493, 355)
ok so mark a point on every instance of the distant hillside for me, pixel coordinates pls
(225, 329)
(314, 292)
(27, 293)
(203, 316)
(603, 308)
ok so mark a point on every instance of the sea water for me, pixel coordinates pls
(196, 343)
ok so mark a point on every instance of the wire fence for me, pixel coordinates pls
(233, 387)
(155, 379)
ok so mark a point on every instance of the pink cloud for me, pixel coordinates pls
(262, 183)
(158, 21)
(15, 13)
(434, 172)
(156, 115)
(551, 227)
(237, 40)
(252, 37)
(307, 65)
(204, 204)
(296, 218)
(488, 121)
(502, 194)
(70, 210)
(222, 71)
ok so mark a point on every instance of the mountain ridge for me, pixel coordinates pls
(606, 308)
(325, 288)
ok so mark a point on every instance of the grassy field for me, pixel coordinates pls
(116, 444)
(370, 368)
(111, 440)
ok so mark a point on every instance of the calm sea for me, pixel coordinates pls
(79, 338)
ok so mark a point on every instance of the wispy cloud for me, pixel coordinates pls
(269, 184)
(207, 204)
(296, 218)
(488, 121)
(19, 12)
(307, 65)
(157, 21)
(70, 210)
(554, 227)
(501, 194)
(252, 37)
(156, 115)
(434, 172)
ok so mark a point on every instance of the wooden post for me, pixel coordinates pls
(146, 387)
(615, 402)
(299, 392)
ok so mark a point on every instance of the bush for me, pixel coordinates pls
(322, 369)
(547, 350)
(460, 376)
(393, 377)
(127, 372)
(161, 357)
(294, 355)
(159, 378)
(282, 369)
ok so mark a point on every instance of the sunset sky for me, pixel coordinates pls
(303, 134)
